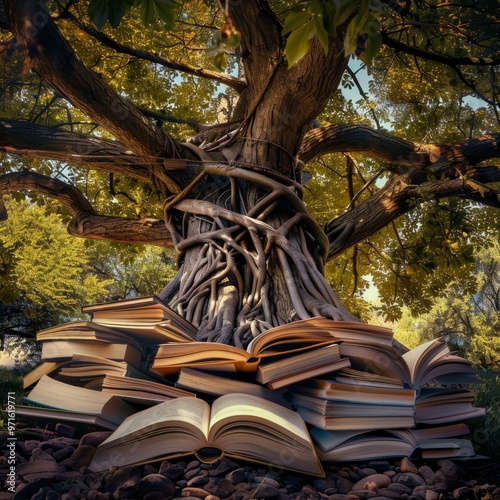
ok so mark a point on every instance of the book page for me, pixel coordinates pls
(424, 354)
(233, 406)
(192, 411)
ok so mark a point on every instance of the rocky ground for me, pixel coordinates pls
(54, 465)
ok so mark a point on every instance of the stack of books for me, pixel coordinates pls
(299, 394)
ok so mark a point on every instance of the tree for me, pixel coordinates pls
(468, 315)
(250, 253)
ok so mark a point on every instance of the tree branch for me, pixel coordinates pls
(52, 58)
(400, 153)
(86, 223)
(391, 201)
(232, 82)
(37, 141)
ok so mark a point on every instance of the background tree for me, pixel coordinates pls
(467, 315)
(103, 126)
(49, 275)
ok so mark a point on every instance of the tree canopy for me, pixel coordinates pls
(221, 129)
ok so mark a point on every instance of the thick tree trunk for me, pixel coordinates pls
(251, 256)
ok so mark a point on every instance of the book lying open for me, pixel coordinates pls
(50, 393)
(148, 317)
(435, 442)
(429, 361)
(239, 426)
(292, 339)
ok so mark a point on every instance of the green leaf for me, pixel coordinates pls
(329, 12)
(116, 10)
(166, 13)
(220, 60)
(321, 32)
(295, 20)
(297, 44)
(98, 12)
(373, 45)
(147, 11)
(345, 9)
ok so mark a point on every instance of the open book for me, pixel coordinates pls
(429, 361)
(292, 339)
(434, 442)
(237, 425)
(53, 394)
(148, 317)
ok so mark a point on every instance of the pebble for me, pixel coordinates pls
(53, 465)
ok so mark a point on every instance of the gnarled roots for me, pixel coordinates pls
(246, 266)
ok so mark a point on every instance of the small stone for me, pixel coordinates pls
(344, 485)
(59, 442)
(265, 491)
(239, 475)
(222, 489)
(390, 493)
(194, 492)
(323, 484)
(366, 471)
(379, 465)
(448, 473)
(200, 480)
(39, 454)
(81, 457)
(65, 430)
(156, 483)
(192, 473)
(427, 473)
(94, 438)
(63, 453)
(40, 469)
(221, 467)
(431, 495)
(463, 493)
(123, 483)
(410, 479)
(379, 480)
(172, 471)
(408, 466)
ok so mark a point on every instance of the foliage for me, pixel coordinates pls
(467, 314)
(51, 275)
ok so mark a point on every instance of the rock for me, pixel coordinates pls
(391, 493)
(265, 480)
(379, 465)
(222, 466)
(94, 438)
(123, 483)
(65, 430)
(200, 480)
(195, 492)
(447, 473)
(156, 483)
(344, 485)
(81, 457)
(39, 469)
(39, 454)
(239, 475)
(323, 484)
(427, 473)
(63, 453)
(463, 493)
(172, 471)
(222, 489)
(408, 466)
(410, 479)
(379, 480)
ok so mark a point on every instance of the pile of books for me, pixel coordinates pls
(300, 394)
